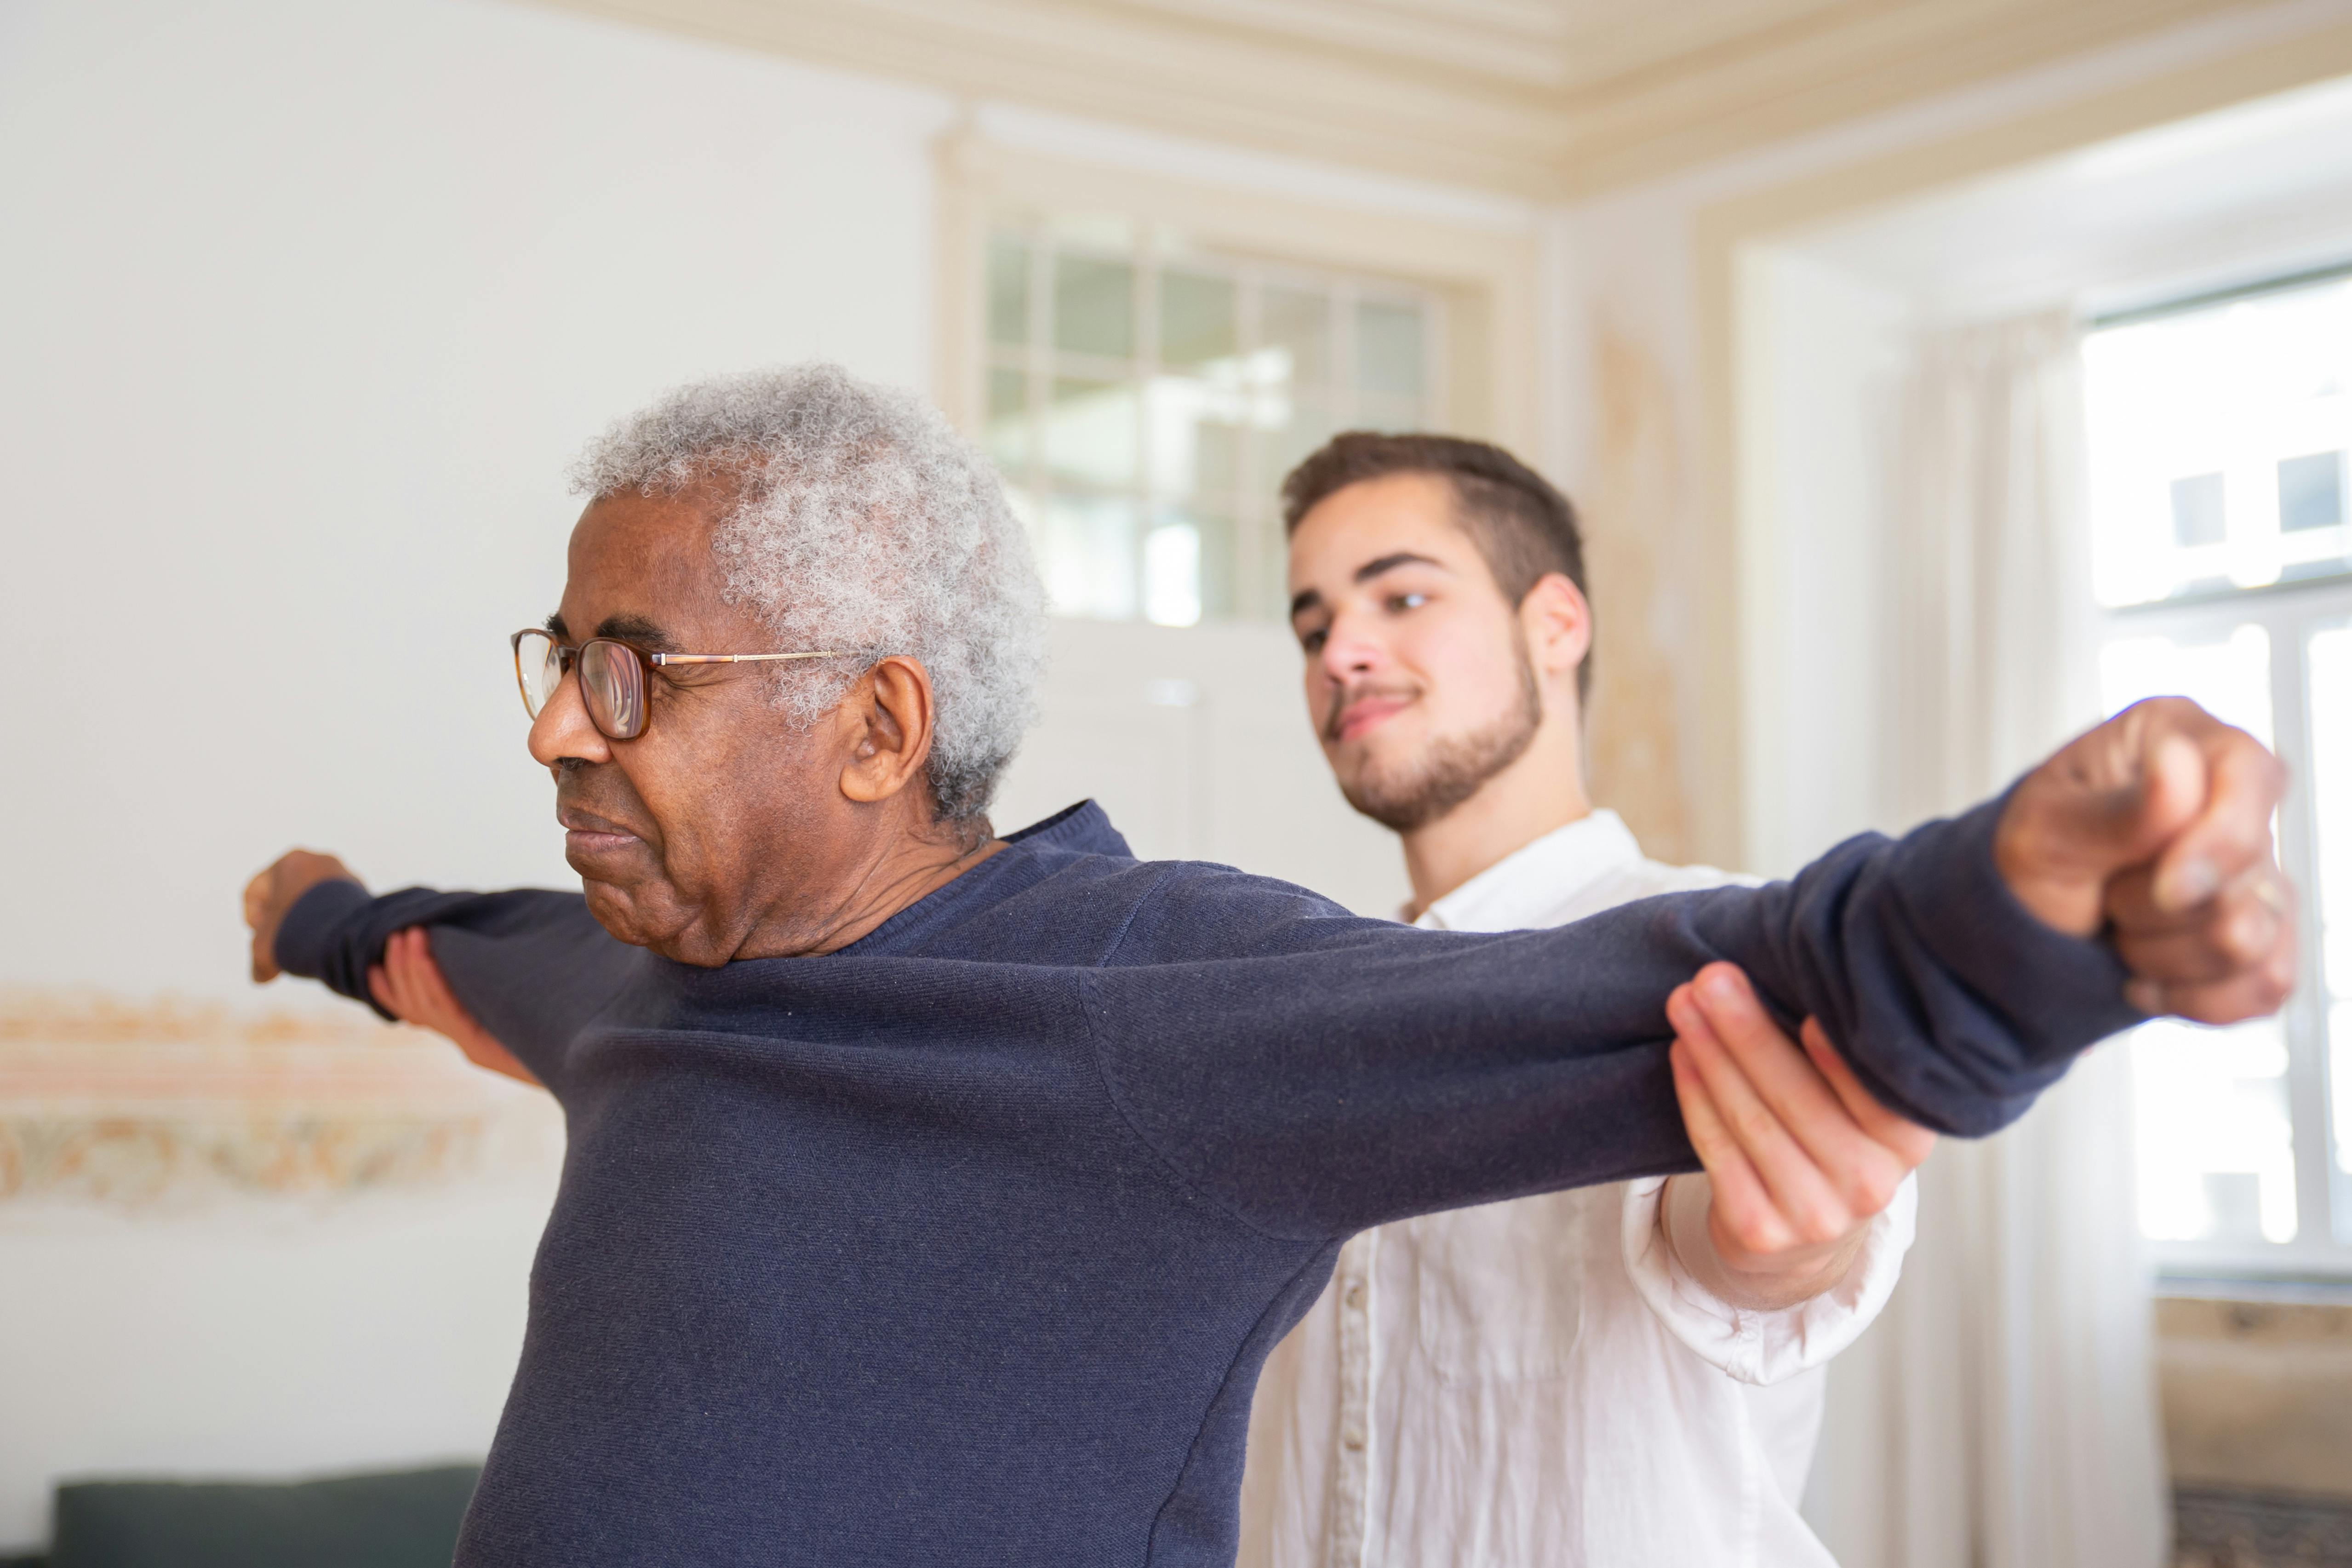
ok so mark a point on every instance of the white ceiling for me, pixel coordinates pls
(1544, 97)
(1557, 45)
(2261, 189)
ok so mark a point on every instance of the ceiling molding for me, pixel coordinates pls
(1548, 99)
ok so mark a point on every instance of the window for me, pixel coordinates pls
(1144, 399)
(2222, 559)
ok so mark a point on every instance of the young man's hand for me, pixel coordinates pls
(272, 892)
(1799, 1159)
(409, 985)
(2156, 828)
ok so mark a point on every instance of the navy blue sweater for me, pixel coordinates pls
(965, 1244)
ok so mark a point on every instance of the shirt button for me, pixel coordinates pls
(1355, 1297)
(1353, 1438)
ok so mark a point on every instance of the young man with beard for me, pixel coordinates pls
(1617, 1375)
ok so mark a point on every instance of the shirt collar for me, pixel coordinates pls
(1521, 889)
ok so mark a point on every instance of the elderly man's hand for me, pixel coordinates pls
(2157, 824)
(272, 892)
(1799, 1159)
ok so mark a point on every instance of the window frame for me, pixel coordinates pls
(1479, 259)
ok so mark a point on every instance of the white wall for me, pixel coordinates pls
(306, 308)
(1197, 744)
(1822, 356)
(302, 311)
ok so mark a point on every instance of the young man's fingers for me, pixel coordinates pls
(431, 983)
(1799, 1190)
(1910, 1142)
(393, 968)
(425, 995)
(1788, 1084)
(1738, 1194)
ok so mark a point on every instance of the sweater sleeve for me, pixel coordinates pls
(1353, 1071)
(532, 966)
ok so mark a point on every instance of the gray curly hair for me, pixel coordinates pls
(856, 519)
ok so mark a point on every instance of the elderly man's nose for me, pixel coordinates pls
(563, 731)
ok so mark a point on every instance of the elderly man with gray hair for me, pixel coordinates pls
(934, 1197)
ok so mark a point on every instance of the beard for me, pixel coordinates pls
(1451, 768)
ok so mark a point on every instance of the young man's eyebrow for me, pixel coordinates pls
(557, 629)
(1372, 569)
(1307, 599)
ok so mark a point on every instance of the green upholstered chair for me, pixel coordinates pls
(403, 1520)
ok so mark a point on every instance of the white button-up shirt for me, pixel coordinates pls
(1539, 1381)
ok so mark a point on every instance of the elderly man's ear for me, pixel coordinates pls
(889, 717)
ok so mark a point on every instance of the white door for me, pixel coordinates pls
(1196, 742)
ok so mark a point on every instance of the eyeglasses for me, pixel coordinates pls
(612, 676)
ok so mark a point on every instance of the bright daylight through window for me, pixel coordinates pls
(1144, 401)
(2222, 535)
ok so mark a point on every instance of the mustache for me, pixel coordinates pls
(1348, 697)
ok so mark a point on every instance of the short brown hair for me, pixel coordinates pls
(1521, 523)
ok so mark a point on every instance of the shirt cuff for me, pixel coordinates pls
(1765, 1347)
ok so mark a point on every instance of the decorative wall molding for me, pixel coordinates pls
(1544, 97)
(134, 1102)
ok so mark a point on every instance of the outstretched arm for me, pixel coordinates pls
(1348, 1072)
(532, 967)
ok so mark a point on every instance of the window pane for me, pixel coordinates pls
(2229, 677)
(1198, 322)
(1288, 430)
(2339, 1075)
(2311, 493)
(1172, 574)
(2199, 515)
(1297, 324)
(2216, 1143)
(1394, 414)
(1390, 346)
(1094, 306)
(1218, 534)
(1090, 431)
(2329, 664)
(1088, 549)
(1195, 434)
(1008, 289)
(1007, 430)
(2216, 440)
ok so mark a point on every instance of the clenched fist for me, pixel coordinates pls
(270, 894)
(2155, 827)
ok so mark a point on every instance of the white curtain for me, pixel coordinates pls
(2002, 1413)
